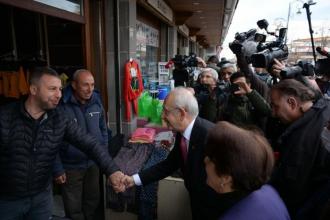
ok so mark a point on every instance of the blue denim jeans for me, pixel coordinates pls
(37, 207)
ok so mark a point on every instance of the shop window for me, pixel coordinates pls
(147, 40)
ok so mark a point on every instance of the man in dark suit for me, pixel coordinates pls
(180, 112)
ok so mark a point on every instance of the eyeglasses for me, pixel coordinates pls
(167, 111)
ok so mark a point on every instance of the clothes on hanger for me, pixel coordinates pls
(13, 83)
(132, 88)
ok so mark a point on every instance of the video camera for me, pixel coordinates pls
(304, 68)
(301, 68)
(255, 49)
(183, 67)
(183, 61)
(244, 42)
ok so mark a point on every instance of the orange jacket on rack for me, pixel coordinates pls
(133, 87)
(14, 84)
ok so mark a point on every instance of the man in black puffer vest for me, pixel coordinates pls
(31, 132)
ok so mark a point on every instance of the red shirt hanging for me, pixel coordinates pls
(133, 87)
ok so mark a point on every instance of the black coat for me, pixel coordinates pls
(203, 198)
(303, 167)
(28, 149)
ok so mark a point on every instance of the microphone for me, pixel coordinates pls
(323, 52)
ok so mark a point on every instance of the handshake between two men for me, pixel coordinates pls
(120, 182)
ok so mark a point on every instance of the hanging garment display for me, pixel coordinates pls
(14, 83)
(133, 87)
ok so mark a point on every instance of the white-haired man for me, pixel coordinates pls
(226, 71)
(210, 96)
(180, 112)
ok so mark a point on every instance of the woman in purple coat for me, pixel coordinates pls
(238, 164)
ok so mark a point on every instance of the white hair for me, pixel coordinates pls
(228, 65)
(184, 98)
(213, 73)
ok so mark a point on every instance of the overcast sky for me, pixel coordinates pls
(248, 12)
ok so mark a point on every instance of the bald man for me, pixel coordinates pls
(78, 174)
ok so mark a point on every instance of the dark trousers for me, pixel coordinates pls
(37, 207)
(81, 193)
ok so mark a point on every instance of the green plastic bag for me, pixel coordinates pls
(141, 109)
(156, 111)
(147, 105)
(144, 103)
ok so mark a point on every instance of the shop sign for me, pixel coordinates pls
(162, 8)
(63, 4)
(184, 29)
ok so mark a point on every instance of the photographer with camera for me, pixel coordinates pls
(245, 106)
(256, 83)
(180, 75)
(209, 95)
(183, 68)
(303, 71)
(226, 71)
(251, 47)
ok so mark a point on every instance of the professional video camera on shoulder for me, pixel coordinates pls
(270, 50)
(304, 68)
(183, 61)
(245, 43)
(255, 48)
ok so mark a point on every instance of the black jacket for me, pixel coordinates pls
(210, 103)
(204, 201)
(28, 149)
(303, 167)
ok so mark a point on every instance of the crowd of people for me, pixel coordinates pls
(262, 138)
(291, 114)
(249, 147)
